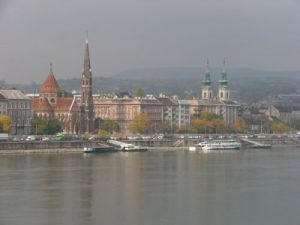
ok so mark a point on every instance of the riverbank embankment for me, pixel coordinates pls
(78, 145)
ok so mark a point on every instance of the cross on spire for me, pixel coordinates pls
(87, 37)
(51, 71)
(224, 65)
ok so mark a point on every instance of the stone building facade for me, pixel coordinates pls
(124, 110)
(17, 106)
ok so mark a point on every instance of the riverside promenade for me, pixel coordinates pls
(78, 145)
(69, 146)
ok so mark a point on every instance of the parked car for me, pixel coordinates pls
(45, 138)
(30, 138)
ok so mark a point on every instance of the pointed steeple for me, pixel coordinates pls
(207, 80)
(207, 92)
(51, 71)
(224, 93)
(87, 105)
(87, 71)
(50, 85)
(224, 81)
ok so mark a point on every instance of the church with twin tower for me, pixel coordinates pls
(223, 91)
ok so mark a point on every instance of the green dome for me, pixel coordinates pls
(207, 80)
(224, 81)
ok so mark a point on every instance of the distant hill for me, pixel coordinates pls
(247, 85)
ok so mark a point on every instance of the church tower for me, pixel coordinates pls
(224, 93)
(207, 92)
(87, 105)
(50, 89)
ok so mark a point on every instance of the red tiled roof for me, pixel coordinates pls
(41, 104)
(63, 104)
(50, 85)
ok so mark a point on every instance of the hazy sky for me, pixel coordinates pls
(124, 34)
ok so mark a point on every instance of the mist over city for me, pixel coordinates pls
(144, 112)
(132, 34)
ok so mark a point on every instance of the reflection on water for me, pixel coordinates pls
(156, 187)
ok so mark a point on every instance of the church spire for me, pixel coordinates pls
(51, 71)
(207, 80)
(224, 81)
(224, 93)
(87, 63)
(87, 106)
(207, 92)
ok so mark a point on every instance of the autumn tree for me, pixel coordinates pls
(103, 134)
(44, 126)
(53, 126)
(201, 126)
(241, 125)
(209, 116)
(5, 124)
(208, 123)
(181, 129)
(165, 127)
(279, 127)
(110, 126)
(220, 126)
(39, 125)
(140, 124)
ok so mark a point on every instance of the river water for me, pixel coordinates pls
(155, 187)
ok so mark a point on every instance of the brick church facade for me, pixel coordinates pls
(55, 103)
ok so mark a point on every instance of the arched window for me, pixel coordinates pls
(52, 100)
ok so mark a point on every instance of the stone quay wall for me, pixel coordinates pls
(40, 145)
(77, 146)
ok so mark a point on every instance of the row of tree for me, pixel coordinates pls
(206, 123)
(41, 126)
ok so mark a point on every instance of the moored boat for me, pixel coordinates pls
(262, 146)
(133, 148)
(100, 149)
(222, 145)
(198, 146)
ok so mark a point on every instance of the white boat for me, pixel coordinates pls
(126, 147)
(133, 148)
(221, 145)
(198, 146)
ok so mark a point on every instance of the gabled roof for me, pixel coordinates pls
(41, 104)
(63, 104)
(50, 85)
(13, 94)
